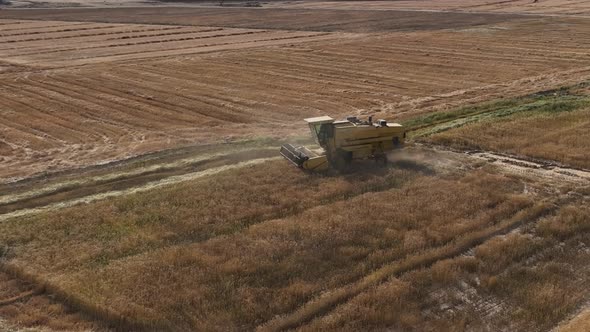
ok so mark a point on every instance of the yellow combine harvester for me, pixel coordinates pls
(345, 141)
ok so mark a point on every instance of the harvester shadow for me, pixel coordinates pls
(413, 165)
(372, 168)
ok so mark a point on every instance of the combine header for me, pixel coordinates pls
(342, 142)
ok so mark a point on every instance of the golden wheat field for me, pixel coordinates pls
(142, 189)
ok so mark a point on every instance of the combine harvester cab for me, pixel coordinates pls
(342, 142)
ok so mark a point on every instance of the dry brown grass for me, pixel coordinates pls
(500, 252)
(562, 137)
(572, 221)
(233, 251)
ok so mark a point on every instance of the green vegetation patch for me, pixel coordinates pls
(544, 103)
(552, 126)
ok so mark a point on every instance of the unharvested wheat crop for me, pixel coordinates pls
(557, 133)
(213, 255)
(527, 280)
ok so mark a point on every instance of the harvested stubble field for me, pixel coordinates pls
(58, 44)
(195, 238)
(72, 116)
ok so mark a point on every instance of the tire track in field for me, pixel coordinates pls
(65, 189)
(143, 187)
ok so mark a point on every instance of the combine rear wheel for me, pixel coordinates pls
(381, 160)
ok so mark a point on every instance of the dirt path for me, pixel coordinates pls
(66, 195)
(122, 180)
(579, 323)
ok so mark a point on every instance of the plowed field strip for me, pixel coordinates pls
(102, 35)
(44, 31)
(410, 83)
(106, 38)
(500, 52)
(45, 95)
(83, 43)
(161, 47)
(273, 18)
(543, 8)
(278, 70)
(23, 30)
(140, 41)
(37, 45)
(18, 131)
(159, 34)
(30, 25)
(222, 76)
